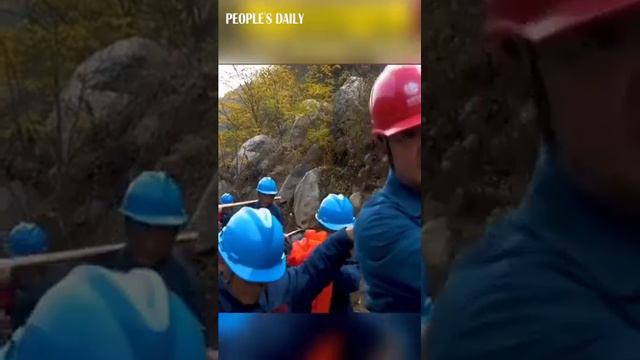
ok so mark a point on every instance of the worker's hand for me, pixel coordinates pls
(349, 231)
(212, 354)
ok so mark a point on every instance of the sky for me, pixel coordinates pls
(227, 79)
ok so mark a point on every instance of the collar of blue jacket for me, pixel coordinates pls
(403, 195)
(572, 220)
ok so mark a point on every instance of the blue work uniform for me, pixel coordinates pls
(300, 336)
(26, 299)
(178, 276)
(300, 284)
(559, 278)
(346, 282)
(389, 249)
(273, 209)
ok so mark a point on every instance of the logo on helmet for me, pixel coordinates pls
(411, 88)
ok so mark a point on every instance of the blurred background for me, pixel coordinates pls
(481, 138)
(302, 337)
(92, 93)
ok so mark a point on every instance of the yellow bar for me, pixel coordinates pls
(319, 32)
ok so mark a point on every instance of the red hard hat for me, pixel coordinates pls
(396, 100)
(538, 19)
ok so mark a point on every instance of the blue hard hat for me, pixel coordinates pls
(267, 186)
(154, 198)
(335, 212)
(27, 239)
(226, 198)
(252, 245)
(95, 313)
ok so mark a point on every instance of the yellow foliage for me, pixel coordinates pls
(37, 57)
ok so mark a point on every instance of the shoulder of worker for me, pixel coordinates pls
(301, 283)
(183, 268)
(514, 296)
(384, 214)
(382, 226)
(395, 197)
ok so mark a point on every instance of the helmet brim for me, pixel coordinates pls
(270, 193)
(254, 275)
(400, 126)
(156, 220)
(576, 13)
(333, 226)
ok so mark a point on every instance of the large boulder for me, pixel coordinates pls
(203, 220)
(311, 159)
(314, 113)
(254, 152)
(350, 128)
(13, 204)
(356, 200)
(307, 198)
(110, 84)
(223, 187)
(350, 102)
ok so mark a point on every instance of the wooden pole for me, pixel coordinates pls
(69, 255)
(294, 232)
(242, 203)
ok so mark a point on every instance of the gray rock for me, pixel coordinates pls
(311, 159)
(223, 187)
(202, 220)
(253, 152)
(13, 204)
(350, 102)
(356, 200)
(146, 131)
(437, 246)
(303, 123)
(90, 213)
(307, 198)
(106, 86)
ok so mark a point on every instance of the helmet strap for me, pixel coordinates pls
(540, 94)
(385, 141)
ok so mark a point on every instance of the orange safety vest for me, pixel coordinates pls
(300, 251)
(330, 346)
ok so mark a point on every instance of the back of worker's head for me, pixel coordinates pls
(97, 314)
(335, 213)
(252, 246)
(27, 239)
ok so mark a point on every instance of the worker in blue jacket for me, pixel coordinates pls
(94, 313)
(27, 239)
(153, 210)
(226, 213)
(252, 264)
(388, 229)
(335, 213)
(559, 278)
(267, 190)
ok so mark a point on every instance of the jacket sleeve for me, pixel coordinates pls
(538, 313)
(303, 283)
(195, 297)
(279, 215)
(389, 249)
(350, 277)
